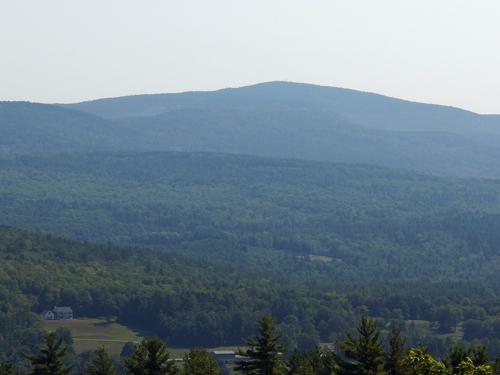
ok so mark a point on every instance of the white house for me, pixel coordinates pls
(58, 313)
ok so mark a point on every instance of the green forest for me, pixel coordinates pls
(194, 247)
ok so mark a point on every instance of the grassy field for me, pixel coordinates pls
(89, 334)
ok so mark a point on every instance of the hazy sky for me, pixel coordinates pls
(439, 51)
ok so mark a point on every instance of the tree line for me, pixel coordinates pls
(360, 353)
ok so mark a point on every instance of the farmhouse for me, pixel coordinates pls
(58, 313)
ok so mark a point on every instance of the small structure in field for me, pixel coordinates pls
(58, 313)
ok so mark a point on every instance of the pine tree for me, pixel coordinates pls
(365, 354)
(455, 356)
(300, 364)
(150, 357)
(264, 354)
(199, 362)
(8, 369)
(50, 359)
(479, 355)
(101, 364)
(397, 352)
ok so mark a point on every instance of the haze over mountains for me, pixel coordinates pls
(279, 119)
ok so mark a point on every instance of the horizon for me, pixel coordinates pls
(68, 52)
(250, 85)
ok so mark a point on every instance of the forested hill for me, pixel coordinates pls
(275, 119)
(367, 223)
(186, 302)
(192, 303)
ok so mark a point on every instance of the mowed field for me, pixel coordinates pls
(90, 334)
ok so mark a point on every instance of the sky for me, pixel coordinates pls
(433, 51)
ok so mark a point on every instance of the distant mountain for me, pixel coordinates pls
(41, 128)
(364, 108)
(278, 119)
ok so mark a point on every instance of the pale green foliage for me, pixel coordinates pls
(420, 362)
(467, 367)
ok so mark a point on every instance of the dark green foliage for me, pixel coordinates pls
(496, 365)
(127, 350)
(7, 369)
(396, 353)
(49, 360)
(222, 208)
(455, 356)
(65, 335)
(300, 233)
(448, 317)
(265, 351)
(150, 357)
(189, 301)
(199, 362)
(479, 355)
(101, 364)
(315, 362)
(364, 353)
(300, 364)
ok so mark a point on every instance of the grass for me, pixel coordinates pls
(90, 334)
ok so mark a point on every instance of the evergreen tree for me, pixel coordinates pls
(496, 365)
(199, 362)
(323, 362)
(264, 353)
(127, 350)
(150, 357)
(8, 369)
(300, 364)
(49, 361)
(365, 354)
(101, 364)
(456, 355)
(479, 355)
(397, 352)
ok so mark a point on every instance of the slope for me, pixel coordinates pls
(372, 223)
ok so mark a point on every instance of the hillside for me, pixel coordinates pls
(373, 223)
(41, 128)
(184, 301)
(275, 119)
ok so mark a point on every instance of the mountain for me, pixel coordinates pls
(364, 108)
(277, 119)
(41, 128)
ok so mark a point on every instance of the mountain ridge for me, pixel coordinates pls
(276, 119)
